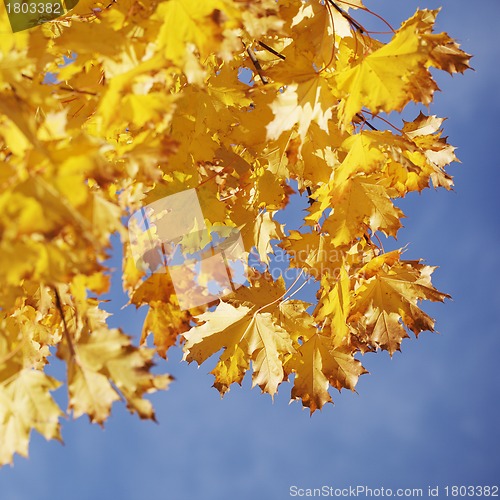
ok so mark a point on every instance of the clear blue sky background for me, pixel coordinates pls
(429, 416)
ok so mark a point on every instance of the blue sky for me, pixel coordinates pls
(429, 416)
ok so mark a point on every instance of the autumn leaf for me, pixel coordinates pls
(300, 105)
(361, 202)
(25, 404)
(102, 361)
(390, 295)
(165, 320)
(244, 335)
(383, 80)
(335, 305)
(317, 366)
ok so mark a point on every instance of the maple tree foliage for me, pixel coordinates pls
(110, 107)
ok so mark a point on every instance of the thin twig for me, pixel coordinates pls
(256, 64)
(65, 325)
(270, 49)
(332, 20)
(370, 12)
(347, 16)
(77, 91)
(310, 199)
(380, 242)
(64, 87)
(361, 117)
(388, 122)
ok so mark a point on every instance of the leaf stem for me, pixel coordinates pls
(287, 291)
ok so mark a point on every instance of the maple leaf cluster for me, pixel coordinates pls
(111, 107)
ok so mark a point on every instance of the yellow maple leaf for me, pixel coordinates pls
(25, 404)
(257, 229)
(334, 305)
(251, 330)
(300, 105)
(313, 252)
(390, 294)
(195, 24)
(444, 52)
(381, 80)
(362, 200)
(317, 365)
(165, 320)
(105, 359)
(256, 334)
